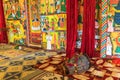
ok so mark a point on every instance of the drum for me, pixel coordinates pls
(77, 64)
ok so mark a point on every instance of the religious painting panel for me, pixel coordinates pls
(62, 40)
(109, 45)
(53, 31)
(97, 24)
(48, 23)
(113, 29)
(52, 7)
(16, 32)
(54, 40)
(115, 46)
(16, 20)
(61, 22)
(35, 33)
(50, 40)
(114, 16)
(14, 9)
(60, 6)
(53, 22)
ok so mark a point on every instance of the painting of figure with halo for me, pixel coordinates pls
(14, 9)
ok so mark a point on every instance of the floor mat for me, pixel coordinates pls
(100, 69)
(45, 75)
(8, 52)
(20, 66)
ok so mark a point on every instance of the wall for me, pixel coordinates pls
(15, 16)
(110, 28)
(40, 23)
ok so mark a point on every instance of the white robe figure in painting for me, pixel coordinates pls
(49, 39)
(110, 26)
(109, 47)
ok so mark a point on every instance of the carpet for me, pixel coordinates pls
(8, 52)
(45, 75)
(17, 67)
(101, 69)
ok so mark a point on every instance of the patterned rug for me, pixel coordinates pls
(101, 69)
(8, 52)
(45, 75)
(19, 67)
(30, 64)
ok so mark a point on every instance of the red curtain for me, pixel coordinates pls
(3, 33)
(88, 36)
(72, 17)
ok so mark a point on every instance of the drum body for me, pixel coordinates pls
(78, 64)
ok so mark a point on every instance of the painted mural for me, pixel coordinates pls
(35, 32)
(53, 22)
(97, 25)
(14, 9)
(41, 22)
(46, 25)
(15, 16)
(54, 40)
(52, 6)
(113, 29)
(16, 32)
(53, 28)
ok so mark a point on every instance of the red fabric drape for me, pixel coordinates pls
(72, 17)
(3, 34)
(88, 36)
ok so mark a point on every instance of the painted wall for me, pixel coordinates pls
(40, 23)
(114, 27)
(53, 24)
(15, 15)
(110, 33)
